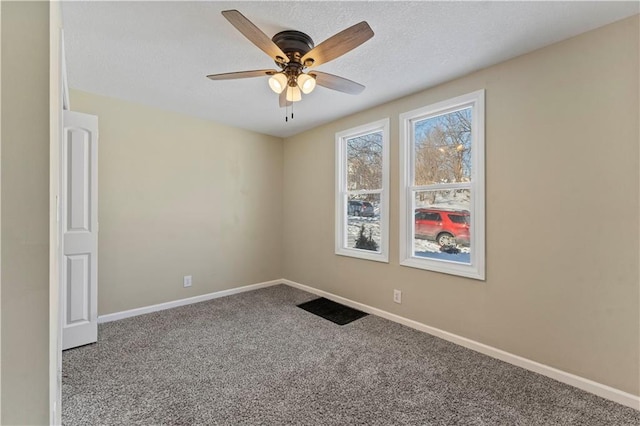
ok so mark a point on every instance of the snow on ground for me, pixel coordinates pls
(431, 250)
(422, 248)
(370, 223)
(447, 200)
(432, 246)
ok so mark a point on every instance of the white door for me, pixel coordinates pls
(79, 229)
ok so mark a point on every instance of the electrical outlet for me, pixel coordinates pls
(186, 281)
(397, 296)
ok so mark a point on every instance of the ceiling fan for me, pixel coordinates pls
(294, 52)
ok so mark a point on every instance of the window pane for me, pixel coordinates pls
(442, 148)
(363, 222)
(364, 162)
(362, 188)
(441, 225)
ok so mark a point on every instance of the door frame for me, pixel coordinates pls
(57, 88)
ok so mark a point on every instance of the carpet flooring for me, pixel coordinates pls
(256, 358)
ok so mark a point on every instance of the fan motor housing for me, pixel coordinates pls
(291, 42)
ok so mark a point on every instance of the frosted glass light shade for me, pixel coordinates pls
(293, 94)
(306, 83)
(278, 82)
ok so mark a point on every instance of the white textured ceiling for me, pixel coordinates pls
(158, 53)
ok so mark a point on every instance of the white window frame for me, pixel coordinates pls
(476, 268)
(342, 193)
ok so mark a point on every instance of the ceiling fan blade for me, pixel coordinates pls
(338, 44)
(340, 84)
(241, 74)
(283, 100)
(255, 35)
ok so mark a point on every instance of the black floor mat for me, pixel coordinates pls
(334, 312)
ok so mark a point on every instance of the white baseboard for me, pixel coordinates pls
(181, 302)
(599, 389)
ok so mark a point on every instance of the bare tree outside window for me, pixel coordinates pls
(364, 162)
(443, 149)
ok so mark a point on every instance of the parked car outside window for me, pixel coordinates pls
(446, 227)
(367, 209)
(355, 207)
(360, 208)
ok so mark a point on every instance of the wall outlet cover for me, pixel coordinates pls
(187, 281)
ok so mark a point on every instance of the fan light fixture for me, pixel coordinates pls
(278, 82)
(306, 83)
(293, 94)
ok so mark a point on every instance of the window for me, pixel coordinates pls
(442, 187)
(362, 191)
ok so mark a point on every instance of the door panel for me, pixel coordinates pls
(79, 285)
(79, 164)
(79, 211)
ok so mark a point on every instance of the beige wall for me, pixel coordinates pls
(181, 196)
(25, 213)
(561, 218)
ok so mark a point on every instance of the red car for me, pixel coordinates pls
(446, 227)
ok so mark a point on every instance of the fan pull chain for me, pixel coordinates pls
(286, 114)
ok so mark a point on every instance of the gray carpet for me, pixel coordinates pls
(256, 358)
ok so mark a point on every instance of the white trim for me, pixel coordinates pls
(342, 195)
(182, 302)
(587, 385)
(476, 269)
(0, 232)
(56, 77)
(66, 102)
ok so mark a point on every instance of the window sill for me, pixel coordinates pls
(445, 267)
(363, 254)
